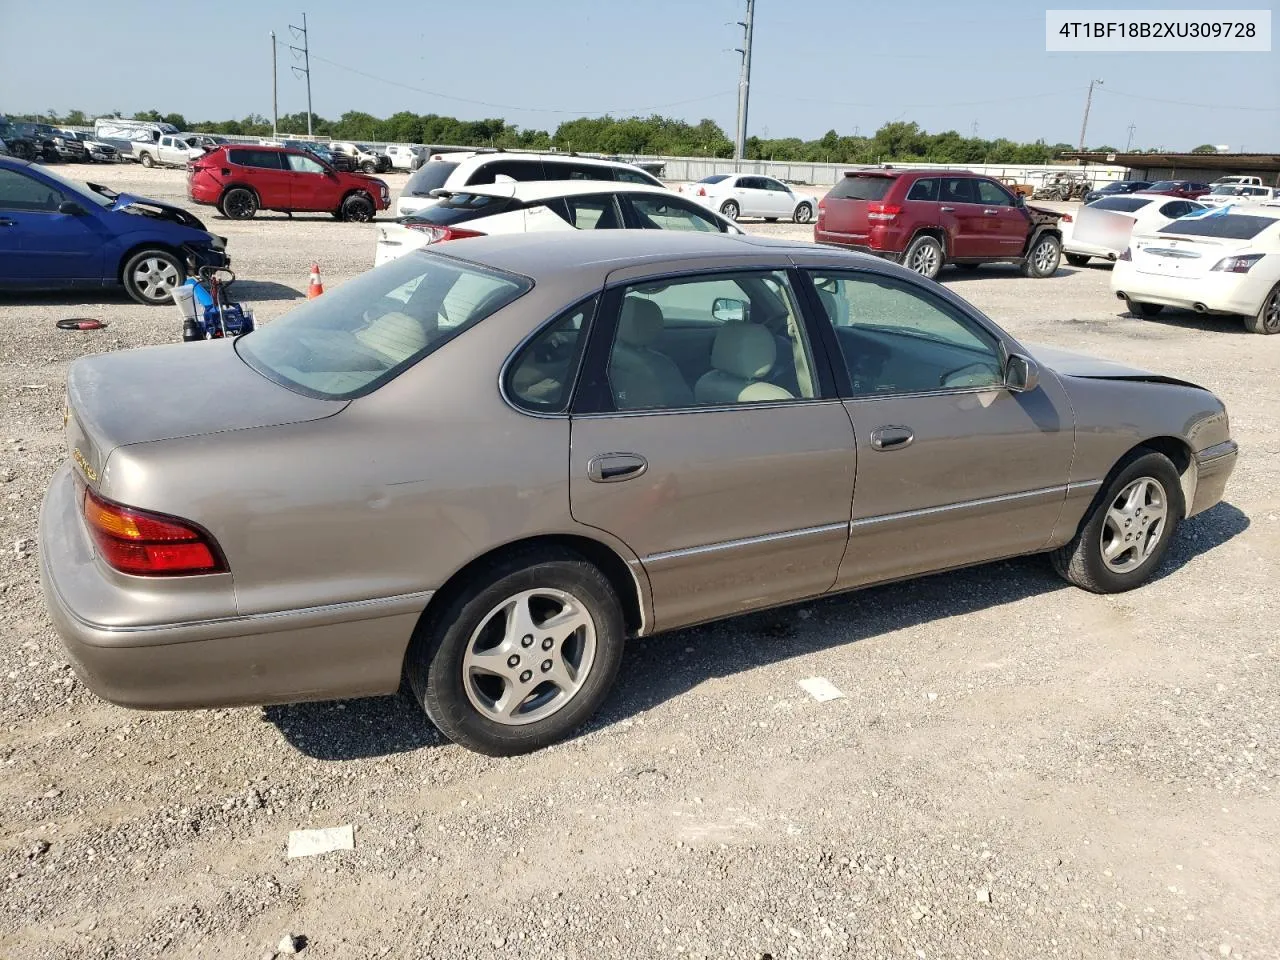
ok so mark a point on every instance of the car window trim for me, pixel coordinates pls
(588, 325)
(1004, 347)
(632, 219)
(593, 397)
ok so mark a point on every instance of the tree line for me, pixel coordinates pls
(653, 135)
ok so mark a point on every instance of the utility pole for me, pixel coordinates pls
(744, 85)
(1129, 144)
(1087, 104)
(975, 129)
(275, 90)
(305, 69)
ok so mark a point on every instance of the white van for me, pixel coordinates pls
(454, 174)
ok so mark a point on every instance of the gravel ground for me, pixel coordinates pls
(1018, 769)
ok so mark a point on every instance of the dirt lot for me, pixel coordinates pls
(1019, 769)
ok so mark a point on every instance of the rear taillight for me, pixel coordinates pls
(883, 211)
(1067, 218)
(148, 544)
(1127, 255)
(702, 191)
(1237, 264)
(436, 234)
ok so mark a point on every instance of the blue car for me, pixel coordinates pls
(56, 234)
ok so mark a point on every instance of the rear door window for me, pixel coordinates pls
(1237, 226)
(627, 175)
(926, 189)
(861, 188)
(262, 159)
(595, 212)
(522, 171)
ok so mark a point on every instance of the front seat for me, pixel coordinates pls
(742, 354)
(641, 377)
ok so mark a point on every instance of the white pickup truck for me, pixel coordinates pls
(166, 151)
(1238, 181)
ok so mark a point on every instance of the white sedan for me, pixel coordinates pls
(543, 206)
(1223, 261)
(1102, 228)
(735, 195)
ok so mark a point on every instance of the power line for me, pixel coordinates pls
(1183, 103)
(913, 106)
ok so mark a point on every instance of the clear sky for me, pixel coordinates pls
(818, 64)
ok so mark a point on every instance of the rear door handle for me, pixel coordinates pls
(948, 209)
(616, 467)
(891, 438)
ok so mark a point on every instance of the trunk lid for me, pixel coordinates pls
(168, 392)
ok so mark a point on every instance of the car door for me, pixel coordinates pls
(733, 491)
(310, 185)
(953, 467)
(753, 197)
(958, 203)
(40, 244)
(266, 174)
(1006, 225)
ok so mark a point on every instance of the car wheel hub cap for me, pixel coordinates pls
(925, 260)
(1271, 318)
(156, 278)
(1044, 256)
(529, 657)
(1133, 525)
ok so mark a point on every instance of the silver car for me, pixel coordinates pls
(485, 466)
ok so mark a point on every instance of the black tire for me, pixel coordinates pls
(435, 661)
(1043, 258)
(1267, 319)
(369, 167)
(239, 203)
(1145, 309)
(146, 160)
(770, 219)
(730, 210)
(1077, 259)
(924, 256)
(804, 213)
(1081, 561)
(150, 276)
(358, 208)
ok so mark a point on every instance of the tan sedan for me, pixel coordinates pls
(485, 466)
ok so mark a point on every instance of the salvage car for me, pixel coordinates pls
(362, 156)
(925, 219)
(1103, 228)
(56, 234)
(736, 195)
(24, 148)
(615, 434)
(1223, 262)
(547, 207)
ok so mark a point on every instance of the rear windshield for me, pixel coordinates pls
(460, 208)
(430, 176)
(1230, 226)
(861, 188)
(714, 178)
(1122, 204)
(366, 332)
(1166, 185)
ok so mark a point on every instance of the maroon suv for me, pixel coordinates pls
(927, 218)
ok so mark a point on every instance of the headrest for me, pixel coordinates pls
(640, 323)
(744, 350)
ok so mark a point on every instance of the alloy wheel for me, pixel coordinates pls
(1134, 524)
(156, 279)
(1045, 255)
(529, 657)
(925, 260)
(1271, 313)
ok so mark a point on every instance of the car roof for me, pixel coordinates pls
(482, 158)
(548, 189)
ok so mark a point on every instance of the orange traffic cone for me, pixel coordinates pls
(315, 287)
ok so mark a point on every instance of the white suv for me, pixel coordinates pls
(483, 168)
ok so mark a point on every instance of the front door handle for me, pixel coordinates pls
(891, 438)
(991, 213)
(948, 209)
(616, 467)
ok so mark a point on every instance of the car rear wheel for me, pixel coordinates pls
(924, 257)
(521, 656)
(146, 160)
(358, 208)
(804, 213)
(1128, 528)
(1077, 259)
(151, 276)
(1043, 260)
(730, 210)
(1267, 319)
(369, 167)
(239, 203)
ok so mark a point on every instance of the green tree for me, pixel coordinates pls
(1205, 148)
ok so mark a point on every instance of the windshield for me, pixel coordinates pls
(81, 190)
(460, 208)
(714, 178)
(371, 329)
(430, 176)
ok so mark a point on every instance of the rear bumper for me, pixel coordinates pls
(890, 255)
(317, 653)
(1215, 292)
(1213, 470)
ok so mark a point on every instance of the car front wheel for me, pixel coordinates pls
(1128, 528)
(521, 656)
(358, 208)
(804, 213)
(151, 276)
(1043, 260)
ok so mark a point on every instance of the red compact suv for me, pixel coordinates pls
(926, 218)
(241, 180)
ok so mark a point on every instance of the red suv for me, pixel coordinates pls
(241, 180)
(926, 218)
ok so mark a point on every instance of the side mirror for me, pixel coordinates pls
(71, 208)
(1019, 200)
(728, 310)
(1021, 375)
